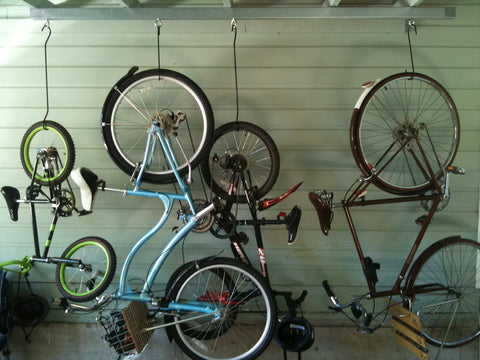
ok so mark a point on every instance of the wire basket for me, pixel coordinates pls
(124, 332)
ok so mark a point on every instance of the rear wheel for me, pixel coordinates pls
(161, 96)
(241, 146)
(47, 147)
(405, 124)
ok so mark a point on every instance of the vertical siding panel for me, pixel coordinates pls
(298, 80)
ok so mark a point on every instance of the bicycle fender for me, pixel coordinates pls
(368, 86)
(130, 72)
(266, 203)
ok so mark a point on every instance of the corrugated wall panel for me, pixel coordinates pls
(298, 80)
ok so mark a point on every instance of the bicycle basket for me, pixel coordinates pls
(124, 330)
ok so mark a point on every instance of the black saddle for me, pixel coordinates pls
(11, 195)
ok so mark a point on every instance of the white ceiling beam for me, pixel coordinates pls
(220, 13)
(39, 3)
(331, 2)
(130, 3)
(410, 3)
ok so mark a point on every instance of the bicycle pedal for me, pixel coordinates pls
(240, 237)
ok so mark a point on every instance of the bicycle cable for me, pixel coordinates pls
(46, 25)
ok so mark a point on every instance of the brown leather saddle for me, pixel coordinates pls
(322, 201)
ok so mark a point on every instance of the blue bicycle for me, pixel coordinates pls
(157, 125)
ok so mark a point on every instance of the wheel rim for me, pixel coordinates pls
(30, 154)
(221, 346)
(80, 276)
(456, 306)
(129, 128)
(397, 113)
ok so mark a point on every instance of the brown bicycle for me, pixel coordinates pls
(404, 136)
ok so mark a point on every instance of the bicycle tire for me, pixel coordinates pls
(259, 156)
(95, 274)
(59, 148)
(451, 263)
(384, 128)
(156, 93)
(250, 301)
(192, 332)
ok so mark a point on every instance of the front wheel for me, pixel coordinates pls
(245, 322)
(47, 153)
(90, 277)
(444, 286)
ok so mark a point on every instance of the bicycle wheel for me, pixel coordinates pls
(91, 278)
(247, 311)
(403, 116)
(163, 96)
(202, 333)
(450, 311)
(50, 144)
(244, 146)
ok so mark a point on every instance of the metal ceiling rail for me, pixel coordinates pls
(219, 13)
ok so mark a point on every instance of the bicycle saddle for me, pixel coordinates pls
(292, 221)
(320, 201)
(87, 181)
(11, 195)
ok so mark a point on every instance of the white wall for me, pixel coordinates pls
(298, 80)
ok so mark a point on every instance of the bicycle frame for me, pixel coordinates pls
(124, 292)
(346, 205)
(25, 265)
(236, 238)
(356, 198)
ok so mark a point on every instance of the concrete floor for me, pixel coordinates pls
(65, 341)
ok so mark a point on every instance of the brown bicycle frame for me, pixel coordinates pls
(356, 199)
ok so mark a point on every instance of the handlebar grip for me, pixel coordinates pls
(327, 288)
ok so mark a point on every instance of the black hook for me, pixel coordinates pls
(411, 24)
(234, 28)
(46, 26)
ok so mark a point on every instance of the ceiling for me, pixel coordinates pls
(213, 9)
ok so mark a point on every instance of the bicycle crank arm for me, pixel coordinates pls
(69, 307)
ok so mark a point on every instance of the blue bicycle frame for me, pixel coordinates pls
(124, 292)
